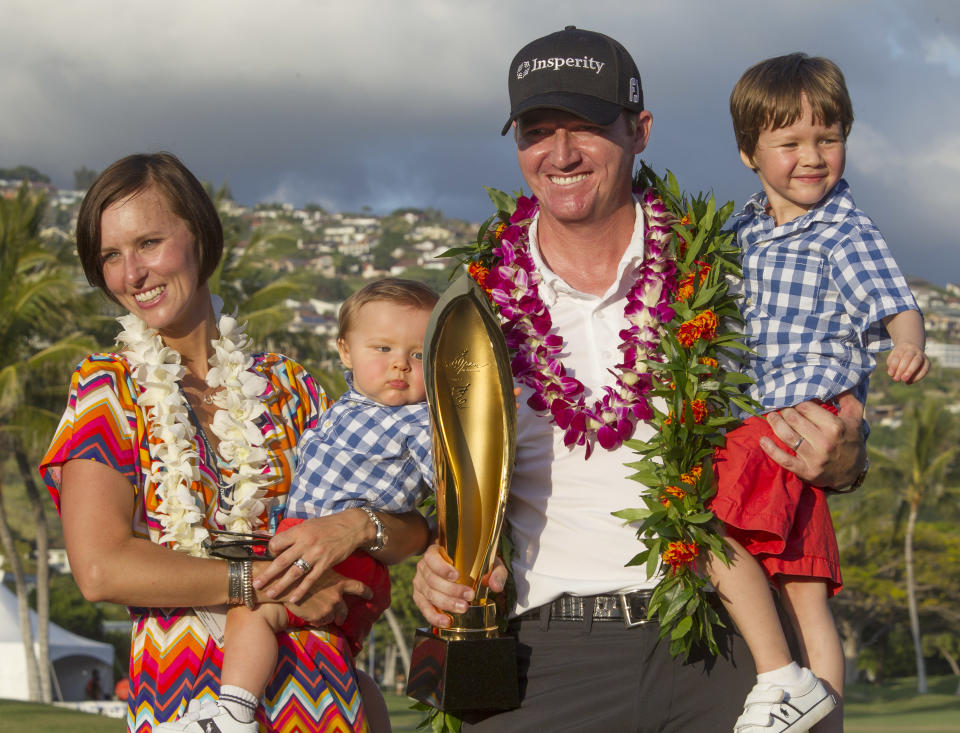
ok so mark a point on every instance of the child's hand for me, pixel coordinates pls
(907, 363)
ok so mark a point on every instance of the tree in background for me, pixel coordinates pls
(24, 173)
(37, 300)
(83, 178)
(918, 465)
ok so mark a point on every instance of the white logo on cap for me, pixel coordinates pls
(634, 89)
(556, 63)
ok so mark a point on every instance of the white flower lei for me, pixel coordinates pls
(157, 370)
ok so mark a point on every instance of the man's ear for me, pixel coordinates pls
(344, 352)
(642, 136)
(747, 160)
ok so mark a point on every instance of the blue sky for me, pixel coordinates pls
(400, 103)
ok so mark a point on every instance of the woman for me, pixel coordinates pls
(186, 430)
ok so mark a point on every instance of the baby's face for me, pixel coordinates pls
(798, 164)
(384, 348)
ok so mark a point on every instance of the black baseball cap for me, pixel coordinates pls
(581, 72)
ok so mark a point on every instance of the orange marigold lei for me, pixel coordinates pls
(681, 555)
(694, 393)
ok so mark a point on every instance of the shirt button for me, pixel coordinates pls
(606, 355)
(600, 316)
(749, 301)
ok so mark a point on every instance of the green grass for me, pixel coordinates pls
(891, 707)
(896, 706)
(31, 717)
(402, 718)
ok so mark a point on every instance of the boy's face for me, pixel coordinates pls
(384, 348)
(798, 164)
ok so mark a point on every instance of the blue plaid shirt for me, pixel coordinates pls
(815, 291)
(363, 452)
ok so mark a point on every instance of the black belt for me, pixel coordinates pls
(628, 608)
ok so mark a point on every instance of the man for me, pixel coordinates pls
(579, 120)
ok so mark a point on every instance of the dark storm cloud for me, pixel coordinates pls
(386, 105)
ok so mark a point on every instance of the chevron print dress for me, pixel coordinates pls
(173, 658)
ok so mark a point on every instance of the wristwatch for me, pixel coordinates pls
(857, 482)
(381, 538)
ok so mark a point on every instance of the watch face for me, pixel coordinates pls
(857, 483)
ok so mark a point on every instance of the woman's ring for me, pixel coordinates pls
(797, 444)
(305, 566)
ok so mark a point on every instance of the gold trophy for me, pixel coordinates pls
(468, 666)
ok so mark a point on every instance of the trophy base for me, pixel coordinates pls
(459, 675)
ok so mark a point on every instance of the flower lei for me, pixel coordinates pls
(680, 312)
(157, 370)
(511, 282)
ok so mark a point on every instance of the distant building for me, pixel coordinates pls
(947, 355)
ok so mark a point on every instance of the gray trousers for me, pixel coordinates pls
(578, 676)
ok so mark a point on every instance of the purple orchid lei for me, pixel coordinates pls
(512, 283)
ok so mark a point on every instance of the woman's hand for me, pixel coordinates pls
(435, 586)
(324, 602)
(321, 543)
(831, 451)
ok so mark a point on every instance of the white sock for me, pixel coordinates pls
(238, 702)
(790, 675)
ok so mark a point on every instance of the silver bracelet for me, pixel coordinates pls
(249, 598)
(381, 539)
(234, 582)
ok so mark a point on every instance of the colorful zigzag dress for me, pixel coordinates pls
(173, 658)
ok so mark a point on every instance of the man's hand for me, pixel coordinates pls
(832, 452)
(907, 363)
(435, 587)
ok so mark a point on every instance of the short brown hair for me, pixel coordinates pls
(770, 95)
(392, 289)
(183, 192)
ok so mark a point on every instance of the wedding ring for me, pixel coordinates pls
(302, 564)
(797, 444)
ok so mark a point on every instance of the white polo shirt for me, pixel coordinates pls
(560, 505)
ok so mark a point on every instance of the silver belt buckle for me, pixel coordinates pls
(628, 619)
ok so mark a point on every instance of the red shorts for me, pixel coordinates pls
(781, 520)
(361, 613)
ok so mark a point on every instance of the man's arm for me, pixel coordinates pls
(833, 451)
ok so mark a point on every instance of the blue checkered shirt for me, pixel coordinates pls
(815, 292)
(363, 452)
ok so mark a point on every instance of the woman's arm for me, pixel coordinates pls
(325, 541)
(110, 564)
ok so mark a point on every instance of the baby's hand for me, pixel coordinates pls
(907, 363)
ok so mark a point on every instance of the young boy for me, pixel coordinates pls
(821, 293)
(372, 450)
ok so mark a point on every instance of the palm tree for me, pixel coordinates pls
(921, 461)
(37, 301)
(244, 278)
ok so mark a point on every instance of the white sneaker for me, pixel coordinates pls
(206, 718)
(771, 709)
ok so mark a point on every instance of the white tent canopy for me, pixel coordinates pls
(72, 657)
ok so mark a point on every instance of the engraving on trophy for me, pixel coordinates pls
(458, 367)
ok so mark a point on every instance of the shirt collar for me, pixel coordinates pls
(354, 396)
(551, 284)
